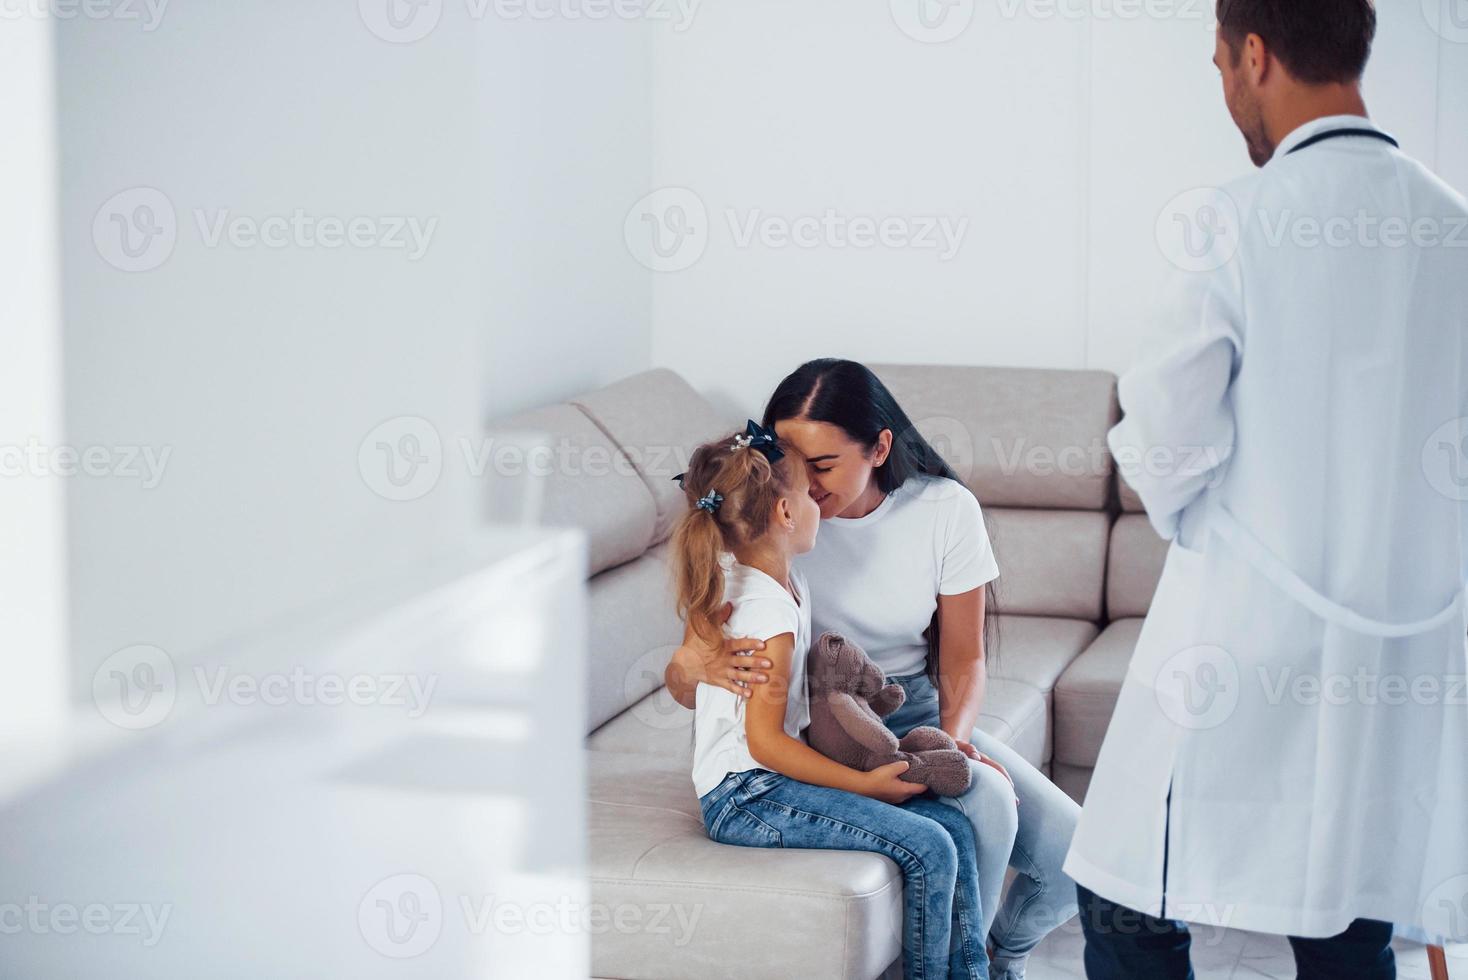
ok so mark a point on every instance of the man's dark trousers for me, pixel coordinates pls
(1123, 944)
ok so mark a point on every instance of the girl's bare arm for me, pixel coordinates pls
(773, 748)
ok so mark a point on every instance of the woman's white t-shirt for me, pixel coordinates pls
(762, 610)
(879, 576)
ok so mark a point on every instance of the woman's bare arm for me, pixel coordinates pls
(963, 675)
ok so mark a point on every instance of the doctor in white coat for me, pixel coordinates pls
(1290, 750)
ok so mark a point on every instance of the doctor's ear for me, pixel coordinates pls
(1256, 61)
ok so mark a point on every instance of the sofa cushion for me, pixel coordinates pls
(1018, 437)
(582, 480)
(1085, 696)
(657, 419)
(1133, 566)
(651, 859)
(656, 726)
(1074, 781)
(1016, 714)
(1038, 649)
(1130, 502)
(634, 632)
(1051, 562)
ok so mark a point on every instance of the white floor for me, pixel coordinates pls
(1227, 954)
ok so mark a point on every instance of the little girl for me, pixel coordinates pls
(759, 783)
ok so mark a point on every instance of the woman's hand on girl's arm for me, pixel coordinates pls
(722, 665)
(772, 747)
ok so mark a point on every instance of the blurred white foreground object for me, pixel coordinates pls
(394, 791)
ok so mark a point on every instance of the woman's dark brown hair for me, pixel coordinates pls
(852, 398)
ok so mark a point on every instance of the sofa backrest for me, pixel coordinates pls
(1031, 445)
(1133, 567)
(1019, 437)
(656, 420)
(585, 481)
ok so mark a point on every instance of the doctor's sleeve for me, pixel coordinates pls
(1177, 429)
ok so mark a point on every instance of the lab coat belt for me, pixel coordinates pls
(1252, 550)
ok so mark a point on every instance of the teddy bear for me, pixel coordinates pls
(849, 697)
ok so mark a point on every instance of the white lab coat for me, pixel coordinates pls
(1299, 412)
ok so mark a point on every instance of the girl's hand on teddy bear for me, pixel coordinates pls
(885, 783)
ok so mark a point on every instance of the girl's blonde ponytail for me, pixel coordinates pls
(747, 485)
(698, 575)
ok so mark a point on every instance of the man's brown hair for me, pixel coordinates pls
(1318, 41)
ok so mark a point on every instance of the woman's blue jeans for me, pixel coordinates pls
(932, 844)
(1032, 838)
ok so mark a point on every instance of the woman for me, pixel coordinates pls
(903, 568)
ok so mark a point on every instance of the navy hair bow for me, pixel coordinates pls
(755, 436)
(758, 437)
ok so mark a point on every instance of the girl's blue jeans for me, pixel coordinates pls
(931, 843)
(1032, 838)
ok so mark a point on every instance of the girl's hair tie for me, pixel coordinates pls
(710, 501)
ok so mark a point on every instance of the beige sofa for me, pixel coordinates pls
(1079, 564)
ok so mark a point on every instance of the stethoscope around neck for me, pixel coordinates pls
(1331, 134)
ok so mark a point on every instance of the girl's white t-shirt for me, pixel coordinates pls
(879, 576)
(762, 610)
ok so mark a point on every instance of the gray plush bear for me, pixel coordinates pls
(849, 697)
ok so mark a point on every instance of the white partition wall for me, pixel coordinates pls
(270, 267)
(309, 249)
(33, 623)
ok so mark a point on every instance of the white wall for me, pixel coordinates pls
(1059, 128)
(262, 370)
(32, 502)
